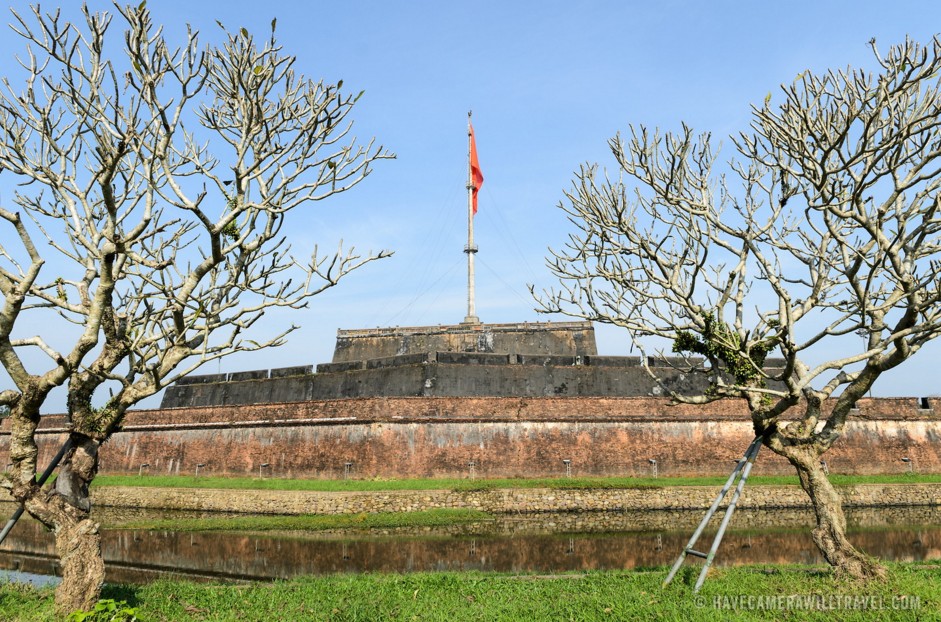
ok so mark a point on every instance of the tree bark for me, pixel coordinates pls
(830, 533)
(78, 542)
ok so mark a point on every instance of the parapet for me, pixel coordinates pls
(530, 338)
(465, 360)
(439, 374)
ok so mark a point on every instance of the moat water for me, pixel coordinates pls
(543, 543)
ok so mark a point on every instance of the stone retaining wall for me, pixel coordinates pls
(500, 501)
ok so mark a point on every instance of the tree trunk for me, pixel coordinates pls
(78, 545)
(830, 533)
(66, 511)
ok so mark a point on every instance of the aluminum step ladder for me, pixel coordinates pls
(741, 471)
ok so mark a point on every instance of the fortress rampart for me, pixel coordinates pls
(400, 437)
(540, 338)
(436, 374)
(479, 400)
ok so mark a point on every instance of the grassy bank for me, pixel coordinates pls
(354, 485)
(913, 592)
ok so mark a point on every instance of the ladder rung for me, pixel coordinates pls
(696, 553)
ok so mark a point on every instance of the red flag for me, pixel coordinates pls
(477, 178)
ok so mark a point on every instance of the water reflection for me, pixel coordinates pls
(29, 578)
(540, 543)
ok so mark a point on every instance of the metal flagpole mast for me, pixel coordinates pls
(470, 249)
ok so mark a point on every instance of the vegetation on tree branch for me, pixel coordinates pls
(717, 342)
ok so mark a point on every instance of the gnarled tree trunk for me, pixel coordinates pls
(78, 544)
(830, 533)
(65, 510)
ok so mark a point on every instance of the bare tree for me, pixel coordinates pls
(155, 183)
(819, 245)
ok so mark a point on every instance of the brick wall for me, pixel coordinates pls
(558, 338)
(502, 437)
(436, 374)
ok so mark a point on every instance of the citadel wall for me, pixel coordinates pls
(436, 374)
(536, 338)
(399, 437)
(479, 400)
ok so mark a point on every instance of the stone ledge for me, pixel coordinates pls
(499, 501)
(497, 409)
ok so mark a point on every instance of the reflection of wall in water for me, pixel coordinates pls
(263, 556)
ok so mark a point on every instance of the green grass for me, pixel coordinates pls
(741, 593)
(356, 485)
(384, 520)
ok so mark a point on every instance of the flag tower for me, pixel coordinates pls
(475, 180)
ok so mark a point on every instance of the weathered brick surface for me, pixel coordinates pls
(502, 437)
(576, 338)
(441, 374)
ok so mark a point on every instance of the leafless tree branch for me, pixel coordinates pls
(819, 244)
(154, 185)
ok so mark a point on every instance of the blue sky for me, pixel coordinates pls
(549, 83)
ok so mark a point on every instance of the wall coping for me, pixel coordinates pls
(500, 501)
(462, 328)
(370, 410)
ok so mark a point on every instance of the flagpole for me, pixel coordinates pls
(470, 249)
